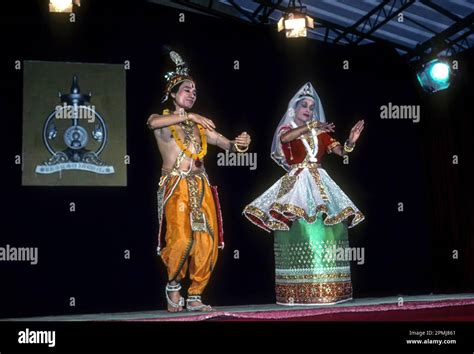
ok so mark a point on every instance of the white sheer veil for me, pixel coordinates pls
(307, 90)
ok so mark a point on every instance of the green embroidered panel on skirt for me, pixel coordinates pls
(308, 269)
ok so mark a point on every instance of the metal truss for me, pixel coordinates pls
(382, 16)
(362, 29)
(441, 41)
(351, 35)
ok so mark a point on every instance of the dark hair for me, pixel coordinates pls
(169, 103)
(300, 97)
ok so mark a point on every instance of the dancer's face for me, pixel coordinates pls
(304, 111)
(186, 95)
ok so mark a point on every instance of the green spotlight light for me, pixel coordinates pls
(434, 76)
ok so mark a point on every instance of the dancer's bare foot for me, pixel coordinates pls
(173, 297)
(194, 303)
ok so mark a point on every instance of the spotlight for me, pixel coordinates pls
(295, 25)
(434, 76)
(295, 22)
(62, 5)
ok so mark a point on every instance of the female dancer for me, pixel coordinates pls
(307, 211)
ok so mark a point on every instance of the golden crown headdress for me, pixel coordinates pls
(180, 74)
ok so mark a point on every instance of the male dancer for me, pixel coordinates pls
(186, 200)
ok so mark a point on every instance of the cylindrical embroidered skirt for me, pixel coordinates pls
(307, 269)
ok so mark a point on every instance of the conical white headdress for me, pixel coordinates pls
(307, 91)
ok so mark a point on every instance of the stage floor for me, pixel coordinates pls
(447, 306)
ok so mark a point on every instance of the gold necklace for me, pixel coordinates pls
(182, 146)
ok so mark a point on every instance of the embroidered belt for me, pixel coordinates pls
(197, 216)
(313, 169)
(308, 165)
(176, 172)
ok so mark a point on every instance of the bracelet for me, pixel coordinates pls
(312, 124)
(183, 113)
(347, 147)
(236, 147)
(186, 121)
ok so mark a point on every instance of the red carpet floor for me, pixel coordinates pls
(452, 313)
(440, 310)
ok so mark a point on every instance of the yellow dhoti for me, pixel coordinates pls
(193, 227)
